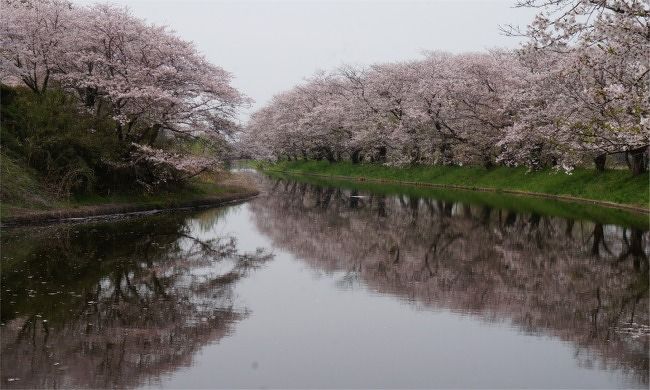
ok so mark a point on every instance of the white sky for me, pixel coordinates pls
(269, 46)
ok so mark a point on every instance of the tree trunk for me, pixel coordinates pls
(381, 155)
(627, 160)
(355, 156)
(599, 162)
(89, 97)
(639, 160)
(487, 162)
(118, 130)
(329, 155)
(415, 155)
(446, 155)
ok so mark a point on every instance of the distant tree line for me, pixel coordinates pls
(577, 91)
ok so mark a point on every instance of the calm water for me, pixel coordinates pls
(317, 286)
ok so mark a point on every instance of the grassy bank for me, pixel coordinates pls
(60, 161)
(24, 199)
(494, 200)
(610, 186)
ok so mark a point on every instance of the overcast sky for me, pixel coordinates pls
(269, 46)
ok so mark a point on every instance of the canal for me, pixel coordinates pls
(324, 284)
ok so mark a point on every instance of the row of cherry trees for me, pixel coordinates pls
(577, 91)
(142, 76)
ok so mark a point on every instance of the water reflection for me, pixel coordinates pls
(582, 282)
(118, 303)
(127, 303)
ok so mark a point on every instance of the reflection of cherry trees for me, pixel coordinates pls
(579, 281)
(113, 304)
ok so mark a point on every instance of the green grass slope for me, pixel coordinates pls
(22, 193)
(20, 187)
(617, 186)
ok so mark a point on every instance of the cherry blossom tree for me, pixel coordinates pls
(589, 88)
(577, 90)
(148, 79)
(305, 122)
(448, 109)
(152, 84)
(34, 41)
